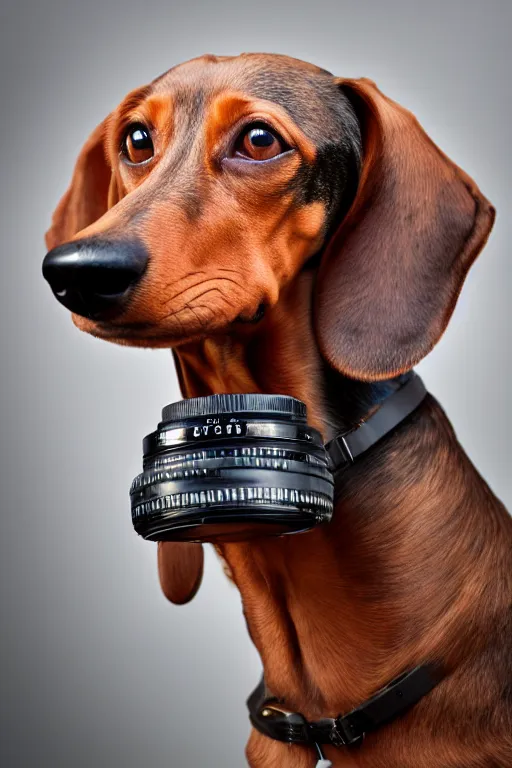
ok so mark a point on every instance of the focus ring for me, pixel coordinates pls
(237, 497)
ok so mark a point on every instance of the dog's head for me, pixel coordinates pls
(204, 193)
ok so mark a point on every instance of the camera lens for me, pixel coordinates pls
(232, 467)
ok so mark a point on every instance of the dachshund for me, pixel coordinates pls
(286, 231)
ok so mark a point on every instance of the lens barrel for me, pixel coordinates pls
(230, 468)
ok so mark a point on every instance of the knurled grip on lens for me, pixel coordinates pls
(213, 405)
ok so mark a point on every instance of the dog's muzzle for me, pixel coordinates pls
(230, 468)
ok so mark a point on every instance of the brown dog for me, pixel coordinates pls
(287, 231)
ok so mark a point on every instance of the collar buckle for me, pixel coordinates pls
(343, 733)
(348, 730)
(339, 452)
(344, 449)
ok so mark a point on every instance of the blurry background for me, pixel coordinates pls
(98, 670)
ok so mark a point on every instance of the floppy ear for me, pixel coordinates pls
(180, 569)
(92, 191)
(391, 274)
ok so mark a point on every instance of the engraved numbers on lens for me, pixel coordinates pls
(218, 430)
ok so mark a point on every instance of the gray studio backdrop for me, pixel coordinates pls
(97, 669)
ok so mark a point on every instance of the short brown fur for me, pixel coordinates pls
(359, 284)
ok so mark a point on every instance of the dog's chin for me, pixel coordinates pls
(141, 334)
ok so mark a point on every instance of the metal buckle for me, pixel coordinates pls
(293, 724)
(342, 736)
(346, 450)
(339, 452)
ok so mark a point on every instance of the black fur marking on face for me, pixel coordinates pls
(333, 177)
(325, 179)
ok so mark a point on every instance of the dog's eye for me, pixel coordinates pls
(137, 145)
(258, 142)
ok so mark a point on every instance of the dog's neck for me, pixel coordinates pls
(280, 355)
(405, 571)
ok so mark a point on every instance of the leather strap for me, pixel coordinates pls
(272, 719)
(345, 448)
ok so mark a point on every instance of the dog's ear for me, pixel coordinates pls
(93, 190)
(180, 569)
(391, 274)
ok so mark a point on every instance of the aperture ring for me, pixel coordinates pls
(216, 468)
(254, 451)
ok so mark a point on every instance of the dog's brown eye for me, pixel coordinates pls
(260, 143)
(137, 146)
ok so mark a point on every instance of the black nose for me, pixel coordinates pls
(93, 277)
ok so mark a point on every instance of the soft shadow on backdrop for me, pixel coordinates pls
(97, 668)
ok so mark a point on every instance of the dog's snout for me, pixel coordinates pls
(93, 278)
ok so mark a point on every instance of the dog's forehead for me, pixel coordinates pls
(305, 91)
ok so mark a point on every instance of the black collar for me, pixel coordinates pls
(274, 720)
(266, 713)
(346, 447)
